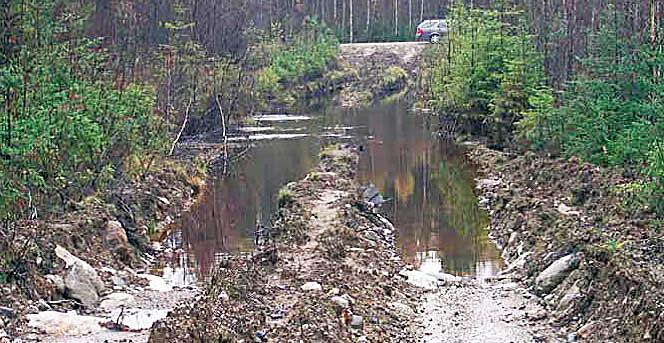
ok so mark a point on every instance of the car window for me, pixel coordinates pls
(428, 24)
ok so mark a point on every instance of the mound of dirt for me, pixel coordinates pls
(566, 230)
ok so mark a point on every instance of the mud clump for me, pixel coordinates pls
(547, 213)
(331, 281)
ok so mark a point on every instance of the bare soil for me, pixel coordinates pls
(543, 208)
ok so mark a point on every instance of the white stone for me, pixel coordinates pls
(64, 324)
(311, 286)
(138, 319)
(81, 280)
(115, 301)
(157, 283)
(553, 275)
(420, 279)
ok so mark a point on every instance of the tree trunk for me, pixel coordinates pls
(396, 18)
(350, 4)
(421, 10)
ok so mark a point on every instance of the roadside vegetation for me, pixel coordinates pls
(489, 72)
(95, 98)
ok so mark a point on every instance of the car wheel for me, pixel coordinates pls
(435, 39)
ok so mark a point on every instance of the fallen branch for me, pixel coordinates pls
(184, 124)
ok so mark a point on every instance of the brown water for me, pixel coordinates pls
(430, 182)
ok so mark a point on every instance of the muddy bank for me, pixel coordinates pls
(109, 232)
(376, 71)
(567, 233)
(326, 271)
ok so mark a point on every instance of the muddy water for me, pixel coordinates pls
(430, 184)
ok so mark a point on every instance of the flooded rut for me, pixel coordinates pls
(429, 183)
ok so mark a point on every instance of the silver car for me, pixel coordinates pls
(431, 30)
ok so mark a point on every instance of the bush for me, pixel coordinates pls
(488, 70)
(69, 130)
(305, 56)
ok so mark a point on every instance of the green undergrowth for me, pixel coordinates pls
(304, 56)
(67, 129)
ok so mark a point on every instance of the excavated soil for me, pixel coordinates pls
(544, 208)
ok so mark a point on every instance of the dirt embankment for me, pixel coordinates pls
(374, 71)
(325, 272)
(567, 231)
(109, 231)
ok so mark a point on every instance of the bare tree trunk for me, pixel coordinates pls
(396, 18)
(421, 10)
(334, 11)
(410, 15)
(350, 19)
(368, 19)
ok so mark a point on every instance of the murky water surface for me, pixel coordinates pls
(430, 184)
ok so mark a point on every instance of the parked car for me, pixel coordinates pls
(431, 30)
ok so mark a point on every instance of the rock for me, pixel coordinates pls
(116, 234)
(311, 286)
(223, 296)
(571, 338)
(138, 319)
(164, 201)
(118, 281)
(420, 279)
(357, 322)
(115, 301)
(64, 324)
(57, 281)
(157, 283)
(343, 301)
(7, 312)
(568, 298)
(3, 334)
(334, 291)
(42, 305)
(81, 280)
(553, 275)
(402, 309)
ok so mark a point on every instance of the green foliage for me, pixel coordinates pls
(285, 197)
(305, 56)
(67, 128)
(488, 69)
(612, 113)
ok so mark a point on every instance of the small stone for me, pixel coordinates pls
(42, 305)
(115, 233)
(118, 281)
(3, 334)
(334, 291)
(357, 321)
(571, 337)
(311, 286)
(164, 201)
(117, 300)
(7, 312)
(223, 296)
(340, 301)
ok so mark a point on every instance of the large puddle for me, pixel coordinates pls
(430, 183)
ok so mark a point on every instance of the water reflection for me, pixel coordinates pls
(430, 182)
(225, 220)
